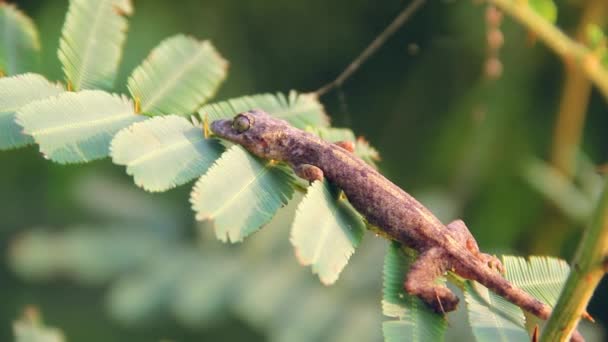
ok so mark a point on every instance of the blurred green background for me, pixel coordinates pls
(447, 134)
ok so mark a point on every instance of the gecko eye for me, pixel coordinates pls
(242, 123)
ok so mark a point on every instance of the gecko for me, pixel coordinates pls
(441, 248)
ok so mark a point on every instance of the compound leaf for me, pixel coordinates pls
(178, 76)
(415, 321)
(77, 127)
(491, 317)
(326, 231)
(240, 193)
(164, 152)
(91, 42)
(16, 92)
(19, 42)
(301, 110)
(542, 277)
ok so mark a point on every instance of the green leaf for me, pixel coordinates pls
(367, 152)
(301, 110)
(326, 231)
(19, 42)
(164, 152)
(416, 321)
(240, 193)
(31, 329)
(77, 127)
(15, 92)
(546, 9)
(542, 277)
(178, 76)
(332, 134)
(91, 42)
(595, 36)
(491, 317)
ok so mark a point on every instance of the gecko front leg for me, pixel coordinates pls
(421, 281)
(309, 172)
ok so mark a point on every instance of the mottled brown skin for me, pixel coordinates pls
(384, 205)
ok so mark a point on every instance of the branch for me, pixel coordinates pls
(587, 270)
(372, 48)
(559, 42)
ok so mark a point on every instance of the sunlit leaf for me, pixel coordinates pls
(164, 152)
(332, 134)
(416, 322)
(240, 193)
(77, 127)
(542, 277)
(301, 110)
(19, 42)
(545, 8)
(491, 317)
(326, 231)
(91, 42)
(30, 328)
(178, 76)
(15, 92)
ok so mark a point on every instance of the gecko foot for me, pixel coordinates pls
(462, 234)
(347, 145)
(421, 281)
(309, 172)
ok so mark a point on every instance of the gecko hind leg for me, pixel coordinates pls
(420, 281)
(309, 172)
(462, 234)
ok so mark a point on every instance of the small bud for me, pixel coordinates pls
(495, 39)
(493, 16)
(493, 68)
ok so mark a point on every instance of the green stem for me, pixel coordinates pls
(559, 42)
(586, 272)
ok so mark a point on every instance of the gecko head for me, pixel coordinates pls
(255, 130)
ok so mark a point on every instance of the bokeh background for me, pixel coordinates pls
(457, 140)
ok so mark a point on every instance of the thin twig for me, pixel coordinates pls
(372, 48)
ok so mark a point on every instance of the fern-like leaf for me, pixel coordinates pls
(178, 76)
(91, 42)
(542, 277)
(77, 127)
(491, 317)
(19, 42)
(301, 110)
(164, 152)
(416, 322)
(16, 92)
(326, 231)
(240, 193)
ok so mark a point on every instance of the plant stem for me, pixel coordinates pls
(586, 272)
(559, 42)
(575, 98)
